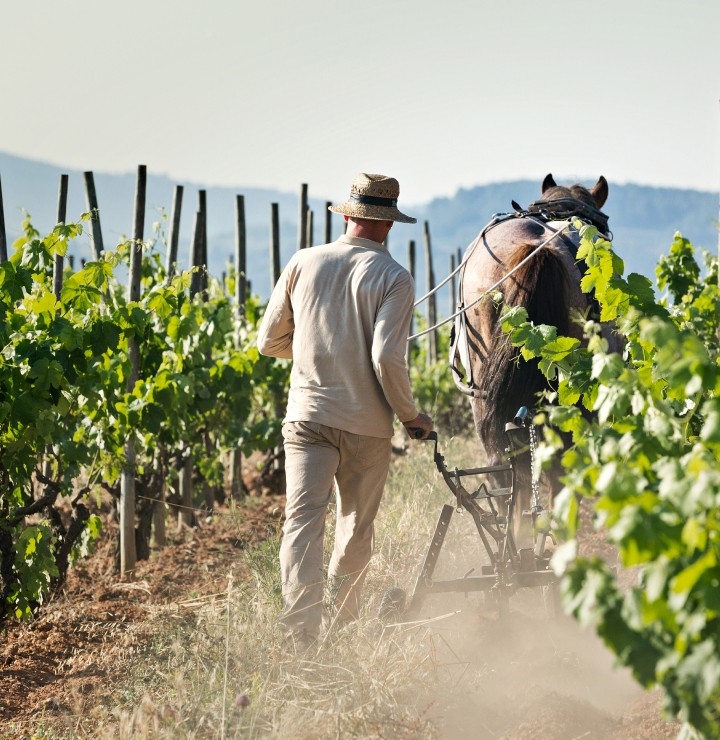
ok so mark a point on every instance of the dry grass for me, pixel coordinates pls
(217, 666)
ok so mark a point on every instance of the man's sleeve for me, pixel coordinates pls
(275, 334)
(392, 326)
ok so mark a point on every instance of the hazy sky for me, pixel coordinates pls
(441, 94)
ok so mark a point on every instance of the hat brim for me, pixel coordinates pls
(374, 213)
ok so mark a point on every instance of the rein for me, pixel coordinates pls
(558, 209)
(468, 254)
(496, 219)
(458, 333)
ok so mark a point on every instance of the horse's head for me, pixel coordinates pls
(575, 200)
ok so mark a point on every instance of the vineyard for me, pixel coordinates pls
(149, 392)
(88, 372)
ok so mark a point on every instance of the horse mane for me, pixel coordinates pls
(506, 377)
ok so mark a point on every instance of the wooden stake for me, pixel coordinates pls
(302, 219)
(432, 304)
(411, 270)
(92, 206)
(453, 285)
(310, 240)
(127, 475)
(202, 207)
(174, 235)
(196, 281)
(328, 222)
(61, 216)
(240, 256)
(236, 483)
(3, 233)
(274, 244)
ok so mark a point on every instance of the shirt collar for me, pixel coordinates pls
(356, 241)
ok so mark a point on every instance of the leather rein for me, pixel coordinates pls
(557, 210)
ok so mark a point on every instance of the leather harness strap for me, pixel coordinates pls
(561, 209)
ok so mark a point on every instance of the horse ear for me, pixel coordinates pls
(548, 182)
(600, 191)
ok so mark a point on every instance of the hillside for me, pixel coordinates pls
(643, 219)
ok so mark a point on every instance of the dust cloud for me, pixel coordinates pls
(528, 675)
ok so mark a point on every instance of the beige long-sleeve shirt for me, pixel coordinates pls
(342, 313)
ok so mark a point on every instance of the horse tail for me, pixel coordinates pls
(507, 381)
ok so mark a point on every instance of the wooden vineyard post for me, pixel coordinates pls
(279, 458)
(411, 270)
(58, 260)
(158, 512)
(310, 239)
(208, 495)
(127, 475)
(159, 507)
(202, 207)
(185, 512)
(57, 289)
(302, 217)
(453, 285)
(92, 206)
(240, 256)
(432, 304)
(196, 281)
(328, 222)
(274, 244)
(174, 235)
(236, 483)
(3, 233)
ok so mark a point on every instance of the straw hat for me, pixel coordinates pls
(374, 197)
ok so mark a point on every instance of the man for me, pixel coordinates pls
(342, 312)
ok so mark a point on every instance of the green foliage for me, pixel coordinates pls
(69, 400)
(35, 566)
(648, 457)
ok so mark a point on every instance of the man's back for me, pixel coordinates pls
(350, 305)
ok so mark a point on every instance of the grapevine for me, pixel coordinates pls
(66, 411)
(647, 459)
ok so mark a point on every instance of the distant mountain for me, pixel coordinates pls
(33, 187)
(643, 219)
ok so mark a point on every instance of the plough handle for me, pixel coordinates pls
(418, 433)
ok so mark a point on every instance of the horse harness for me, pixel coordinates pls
(557, 212)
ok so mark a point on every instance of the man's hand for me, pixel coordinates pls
(421, 425)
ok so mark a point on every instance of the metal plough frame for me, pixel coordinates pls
(493, 512)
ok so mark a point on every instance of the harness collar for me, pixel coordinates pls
(562, 209)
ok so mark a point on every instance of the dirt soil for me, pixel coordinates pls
(78, 649)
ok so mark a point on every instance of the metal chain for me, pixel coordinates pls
(534, 484)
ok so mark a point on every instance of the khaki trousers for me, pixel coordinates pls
(314, 456)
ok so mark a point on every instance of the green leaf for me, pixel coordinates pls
(559, 348)
(607, 367)
(162, 305)
(710, 433)
(685, 581)
(14, 281)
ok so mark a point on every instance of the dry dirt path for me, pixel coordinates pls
(85, 641)
(76, 654)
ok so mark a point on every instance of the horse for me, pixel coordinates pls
(546, 282)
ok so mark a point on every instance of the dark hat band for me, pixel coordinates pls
(369, 200)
